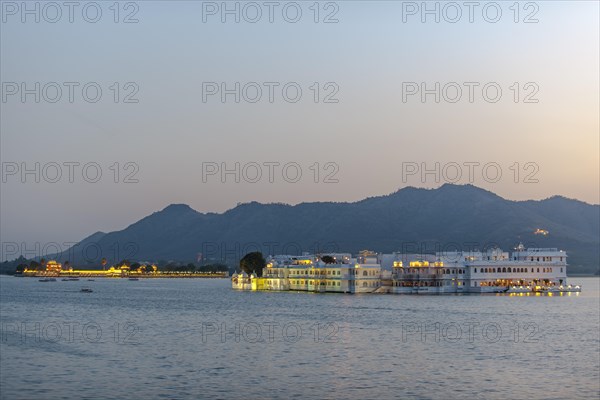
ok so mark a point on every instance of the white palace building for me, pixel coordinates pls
(493, 271)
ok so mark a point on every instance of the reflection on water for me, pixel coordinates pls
(194, 338)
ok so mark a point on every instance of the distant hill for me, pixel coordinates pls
(409, 220)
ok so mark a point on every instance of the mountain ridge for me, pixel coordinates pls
(409, 219)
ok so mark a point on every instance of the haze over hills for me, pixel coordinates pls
(409, 220)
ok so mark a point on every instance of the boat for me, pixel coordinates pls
(91, 280)
(86, 290)
(133, 279)
(48, 280)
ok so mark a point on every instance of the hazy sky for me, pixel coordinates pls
(544, 125)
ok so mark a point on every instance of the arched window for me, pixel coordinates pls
(509, 269)
(503, 269)
(475, 270)
(364, 273)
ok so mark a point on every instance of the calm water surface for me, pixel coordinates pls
(195, 338)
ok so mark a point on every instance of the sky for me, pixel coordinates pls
(109, 113)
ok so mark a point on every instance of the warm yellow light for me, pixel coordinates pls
(419, 263)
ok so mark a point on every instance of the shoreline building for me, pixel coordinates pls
(54, 269)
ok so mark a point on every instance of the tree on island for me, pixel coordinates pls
(328, 260)
(20, 268)
(253, 263)
(34, 265)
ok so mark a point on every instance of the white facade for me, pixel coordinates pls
(309, 273)
(493, 271)
(481, 272)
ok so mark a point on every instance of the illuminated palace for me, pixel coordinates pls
(493, 271)
(326, 273)
(55, 269)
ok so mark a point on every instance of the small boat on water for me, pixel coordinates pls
(133, 279)
(73, 279)
(48, 280)
(86, 290)
(91, 280)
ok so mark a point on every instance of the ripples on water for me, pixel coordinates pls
(162, 339)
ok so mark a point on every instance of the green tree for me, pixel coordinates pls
(34, 265)
(222, 268)
(328, 260)
(253, 263)
(171, 267)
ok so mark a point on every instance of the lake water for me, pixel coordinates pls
(196, 338)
